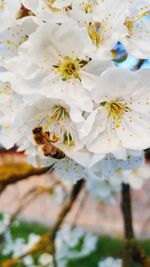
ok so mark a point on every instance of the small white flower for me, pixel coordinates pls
(137, 38)
(28, 261)
(13, 37)
(106, 176)
(62, 120)
(67, 169)
(109, 164)
(8, 12)
(32, 240)
(46, 259)
(58, 66)
(4, 223)
(110, 262)
(136, 177)
(68, 239)
(58, 117)
(45, 10)
(10, 104)
(104, 22)
(102, 188)
(122, 116)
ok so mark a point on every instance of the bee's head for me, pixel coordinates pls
(37, 130)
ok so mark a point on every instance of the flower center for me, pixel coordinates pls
(130, 26)
(95, 31)
(2, 4)
(87, 7)
(116, 109)
(59, 125)
(59, 113)
(6, 89)
(50, 5)
(133, 23)
(69, 68)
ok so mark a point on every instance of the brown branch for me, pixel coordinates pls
(127, 211)
(126, 208)
(67, 207)
(27, 171)
(80, 208)
(65, 210)
(132, 251)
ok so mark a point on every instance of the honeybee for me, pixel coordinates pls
(42, 138)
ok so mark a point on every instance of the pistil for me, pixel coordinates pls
(116, 110)
(69, 68)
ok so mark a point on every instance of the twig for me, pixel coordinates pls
(133, 252)
(67, 207)
(12, 179)
(79, 209)
(128, 224)
(127, 211)
(65, 210)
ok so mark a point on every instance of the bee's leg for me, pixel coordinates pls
(54, 139)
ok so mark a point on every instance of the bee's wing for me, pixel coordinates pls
(38, 157)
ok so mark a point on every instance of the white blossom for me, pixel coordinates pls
(46, 259)
(58, 117)
(122, 116)
(61, 68)
(136, 177)
(10, 104)
(104, 179)
(110, 262)
(103, 20)
(9, 11)
(46, 11)
(13, 37)
(67, 240)
(137, 38)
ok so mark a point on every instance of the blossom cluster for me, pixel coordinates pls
(62, 98)
(71, 244)
(110, 262)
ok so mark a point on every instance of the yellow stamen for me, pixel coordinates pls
(60, 113)
(2, 4)
(9, 42)
(68, 139)
(116, 109)
(130, 23)
(69, 68)
(88, 8)
(59, 126)
(50, 5)
(6, 89)
(95, 33)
